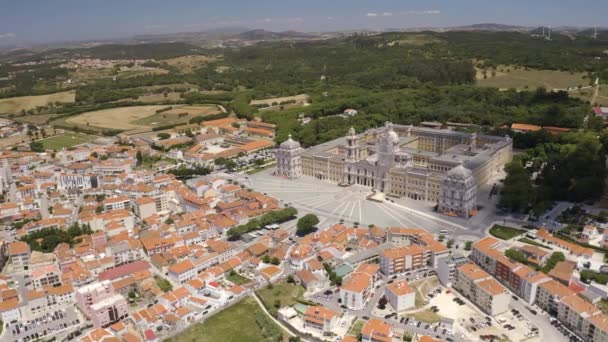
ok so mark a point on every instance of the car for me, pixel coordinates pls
(366, 318)
(515, 298)
(533, 311)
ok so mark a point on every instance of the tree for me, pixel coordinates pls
(163, 136)
(139, 157)
(517, 189)
(290, 279)
(259, 162)
(382, 303)
(36, 146)
(306, 224)
(468, 245)
(169, 221)
(450, 243)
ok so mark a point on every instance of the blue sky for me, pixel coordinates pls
(27, 21)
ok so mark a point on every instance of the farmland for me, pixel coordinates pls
(115, 118)
(508, 77)
(14, 105)
(176, 115)
(66, 140)
(38, 119)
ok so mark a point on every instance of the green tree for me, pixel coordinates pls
(306, 224)
(468, 245)
(517, 188)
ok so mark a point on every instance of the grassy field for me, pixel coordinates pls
(39, 119)
(356, 328)
(172, 116)
(534, 243)
(188, 64)
(14, 105)
(504, 232)
(114, 118)
(507, 77)
(426, 316)
(237, 279)
(281, 293)
(416, 39)
(423, 287)
(66, 140)
(587, 95)
(242, 322)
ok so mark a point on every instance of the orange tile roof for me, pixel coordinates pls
(377, 330)
(400, 288)
(579, 305)
(473, 272)
(491, 286)
(357, 282)
(556, 288)
(525, 127)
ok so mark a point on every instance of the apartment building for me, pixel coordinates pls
(101, 304)
(483, 290)
(403, 259)
(376, 330)
(320, 318)
(182, 272)
(549, 294)
(400, 295)
(356, 290)
(19, 255)
(574, 312)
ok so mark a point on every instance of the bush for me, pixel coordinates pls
(306, 224)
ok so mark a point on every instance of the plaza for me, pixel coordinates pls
(333, 204)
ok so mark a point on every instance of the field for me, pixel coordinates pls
(242, 322)
(237, 279)
(14, 105)
(115, 118)
(39, 119)
(283, 293)
(188, 64)
(423, 287)
(172, 116)
(66, 140)
(507, 77)
(302, 98)
(534, 243)
(587, 95)
(504, 232)
(426, 316)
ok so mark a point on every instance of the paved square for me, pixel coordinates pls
(332, 203)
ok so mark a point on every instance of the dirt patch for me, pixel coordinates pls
(301, 98)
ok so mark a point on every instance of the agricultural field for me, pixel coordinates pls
(115, 118)
(242, 322)
(14, 105)
(187, 64)
(509, 77)
(66, 140)
(177, 115)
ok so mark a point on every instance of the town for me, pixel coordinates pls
(98, 247)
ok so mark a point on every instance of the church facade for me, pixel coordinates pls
(440, 166)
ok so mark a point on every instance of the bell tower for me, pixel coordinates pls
(353, 152)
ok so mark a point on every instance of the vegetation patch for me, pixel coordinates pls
(241, 322)
(237, 279)
(534, 243)
(522, 78)
(279, 295)
(163, 283)
(66, 140)
(504, 232)
(121, 118)
(426, 316)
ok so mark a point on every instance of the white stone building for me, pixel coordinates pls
(289, 159)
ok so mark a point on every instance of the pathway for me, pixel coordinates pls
(277, 322)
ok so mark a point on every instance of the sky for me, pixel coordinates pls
(42, 21)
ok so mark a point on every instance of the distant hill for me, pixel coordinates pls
(260, 34)
(490, 27)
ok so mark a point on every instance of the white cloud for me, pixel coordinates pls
(7, 35)
(330, 18)
(423, 12)
(371, 15)
(387, 14)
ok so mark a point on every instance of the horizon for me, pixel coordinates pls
(28, 22)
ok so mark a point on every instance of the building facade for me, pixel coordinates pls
(405, 161)
(289, 159)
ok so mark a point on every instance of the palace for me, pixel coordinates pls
(434, 165)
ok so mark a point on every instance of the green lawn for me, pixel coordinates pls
(237, 278)
(532, 242)
(242, 322)
(356, 328)
(426, 316)
(163, 283)
(66, 140)
(280, 294)
(505, 233)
